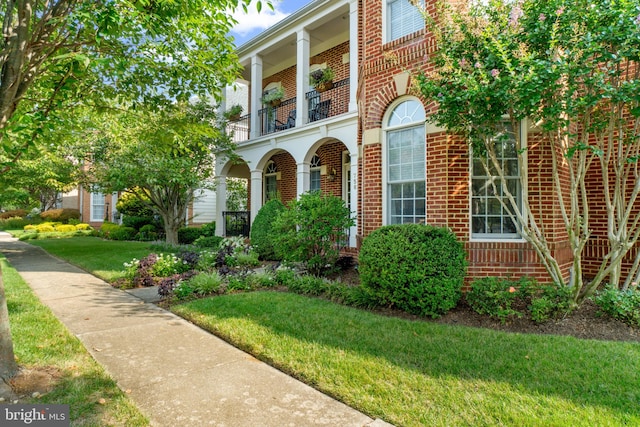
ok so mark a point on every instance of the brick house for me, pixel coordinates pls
(367, 139)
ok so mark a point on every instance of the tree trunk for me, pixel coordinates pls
(8, 365)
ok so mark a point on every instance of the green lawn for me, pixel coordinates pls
(42, 342)
(413, 373)
(103, 258)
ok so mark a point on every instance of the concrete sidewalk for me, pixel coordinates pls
(177, 374)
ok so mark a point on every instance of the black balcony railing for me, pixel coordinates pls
(236, 223)
(320, 105)
(240, 129)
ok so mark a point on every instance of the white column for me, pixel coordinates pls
(256, 94)
(303, 178)
(354, 199)
(353, 55)
(256, 193)
(302, 75)
(221, 203)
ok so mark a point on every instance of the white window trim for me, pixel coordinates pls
(92, 216)
(523, 191)
(386, 34)
(385, 160)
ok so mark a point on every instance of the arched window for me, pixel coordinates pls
(315, 173)
(270, 181)
(405, 163)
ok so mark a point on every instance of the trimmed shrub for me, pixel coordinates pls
(45, 228)
(62, 215)
(122, 233)
(83, 226)
(312, 231)
(550, 302)
(65, 228)
(137, 222)
(417, 268)
(107, 228)
(261, 234)
(15, 213)
(187, 235)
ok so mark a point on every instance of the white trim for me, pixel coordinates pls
(92, 216)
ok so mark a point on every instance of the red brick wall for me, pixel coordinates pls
(447, 160)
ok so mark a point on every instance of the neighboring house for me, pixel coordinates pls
(96, 208)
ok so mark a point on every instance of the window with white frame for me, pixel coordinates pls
(97, 207)
(405, 163)
(490, 217)
(271, 181)
(314, 181)
(403, 18)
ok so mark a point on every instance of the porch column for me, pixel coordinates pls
(302, 75)
(353, 231)
(303, 178)
(353, 55)
(221, 203)
(256, 192)
(256, 95)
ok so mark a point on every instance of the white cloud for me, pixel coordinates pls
(254, 22)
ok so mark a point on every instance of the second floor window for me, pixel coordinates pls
(403, 18)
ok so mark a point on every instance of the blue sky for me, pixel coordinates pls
(251, 24)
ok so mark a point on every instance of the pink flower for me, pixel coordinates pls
(495, 73)
(515, 15)
(560, 11)
(512, 289)
(542, 17)
(477, 65)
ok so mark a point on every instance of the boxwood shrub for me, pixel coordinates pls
(261, 234)
(417, 268)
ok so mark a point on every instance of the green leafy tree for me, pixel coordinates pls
(56, 55)
(159, 157)
(237, 194)
(312, 230)
(571, 69)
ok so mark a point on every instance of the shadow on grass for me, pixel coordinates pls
(585, 372)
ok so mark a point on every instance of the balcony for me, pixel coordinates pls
(320, 106)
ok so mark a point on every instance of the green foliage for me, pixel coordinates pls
(208, 241)
(147, 232)
(121, 232)
(417, 268)
(187, 235)
(16, 223)
(62, 215)
(312, 231)
(622, 305)
(135, 205)
(499, 297)
(206, 283)
(549, 302)
(573, 69)
(138, 222)
(262, 234)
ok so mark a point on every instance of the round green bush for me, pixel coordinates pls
(417, 268)
(123, 233)
(261, 230)
(187, 235)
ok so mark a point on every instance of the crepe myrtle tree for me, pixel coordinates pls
(571, 69)
(57, 54)
(160, 157)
